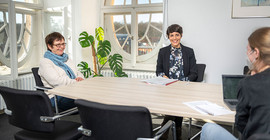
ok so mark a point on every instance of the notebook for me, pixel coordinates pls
(230, 89)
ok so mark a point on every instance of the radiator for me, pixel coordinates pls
(131, 74)
(26, 82)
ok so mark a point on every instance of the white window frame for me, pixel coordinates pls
(25, 8)
(135, 62)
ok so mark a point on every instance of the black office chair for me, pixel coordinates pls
(116, 122)
(39, 83)
(32, 112)
(246, 70)
(200, 72)
(201, 69)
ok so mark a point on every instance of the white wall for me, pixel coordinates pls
(218, 40)
(85, 17)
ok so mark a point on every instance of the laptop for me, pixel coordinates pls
(230, 89)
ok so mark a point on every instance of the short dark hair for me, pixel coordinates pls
(174, 28)
(50, 38)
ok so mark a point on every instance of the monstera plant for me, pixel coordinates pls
(101, 55)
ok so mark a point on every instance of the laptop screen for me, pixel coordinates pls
(230, 85)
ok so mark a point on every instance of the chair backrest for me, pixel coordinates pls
(37, 77)
(245, 70)
(26, 108)
(201, 69)
(114, 122)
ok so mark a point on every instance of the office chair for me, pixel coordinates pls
(32, 112)
(41, 87)
(246, 70)
(39, 83)
(116, 122)
(200, 71)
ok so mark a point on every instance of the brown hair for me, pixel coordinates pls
(174, 28)
(260, 39)
(50, 38)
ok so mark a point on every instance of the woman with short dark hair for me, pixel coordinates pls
(56, 68)
(176, 61)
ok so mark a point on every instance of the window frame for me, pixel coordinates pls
(13, 8)
(135, 62)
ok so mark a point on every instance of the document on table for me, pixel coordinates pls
(160, 81)
(206, 107)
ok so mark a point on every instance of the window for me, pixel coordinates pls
(134, 28)
(16, 17)
(23, 32)
(58, 19)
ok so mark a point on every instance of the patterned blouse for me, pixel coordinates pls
(176, 70)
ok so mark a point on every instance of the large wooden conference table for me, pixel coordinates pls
(157, 98)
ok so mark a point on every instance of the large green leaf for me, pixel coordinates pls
(120, 74)
(115, 63)
(99, 34)
(102, 60)
(104, 48)
(86, 40)
(83, 68)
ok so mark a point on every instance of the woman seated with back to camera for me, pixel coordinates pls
(57, 69)
(176, 61)
(253, 109)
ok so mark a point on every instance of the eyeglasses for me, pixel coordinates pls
(59, 45)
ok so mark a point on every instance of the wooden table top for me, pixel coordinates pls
(157, 98)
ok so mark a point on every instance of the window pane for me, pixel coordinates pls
(128, 2)
(23, 32)
(3, 35)
(149, 31)
(118, 2)
(122, 28)
(54, 22)
(143, 1)
(28, 1)
(156, 1)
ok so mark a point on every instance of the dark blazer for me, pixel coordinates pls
(253, 109)
(190, 68)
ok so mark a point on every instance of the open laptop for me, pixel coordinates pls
(230, 89)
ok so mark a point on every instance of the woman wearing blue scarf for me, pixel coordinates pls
(57, 69)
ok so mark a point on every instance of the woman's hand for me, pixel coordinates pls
(79, 79)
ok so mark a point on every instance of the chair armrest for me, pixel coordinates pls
(42, 88)
(62, 114)
(8, 112)
(85, 131)
(163, 129)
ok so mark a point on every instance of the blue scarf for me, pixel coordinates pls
(59, 61)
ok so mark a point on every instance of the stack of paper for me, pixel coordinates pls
(160, 81)
(206, 107)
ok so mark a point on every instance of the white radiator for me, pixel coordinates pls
(26, 82)
(131, 74)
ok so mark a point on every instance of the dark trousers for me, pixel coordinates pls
(63, 103)
(178, 125)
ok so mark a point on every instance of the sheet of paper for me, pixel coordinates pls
(195, 103)
(160, 81)
(206, 107)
